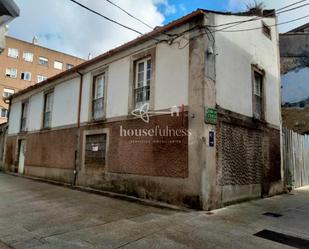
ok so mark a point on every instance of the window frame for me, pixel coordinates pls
(6, 112)
(37, 77)
(24, 57)
(69, 66)
(26, 73)
(10, 54)
(265, 27)
(148, 53)
(7, 90)
(56, 62)
(24, 128)
(47, 93)
(10, 75)
(256, 70)
(42, 58)
(95, 75)
(95, 132)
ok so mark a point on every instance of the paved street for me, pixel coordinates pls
(39, 215)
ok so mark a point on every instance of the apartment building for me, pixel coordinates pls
(23, 64)
(184, 114)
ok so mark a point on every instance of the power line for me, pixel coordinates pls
(107, 18)
(129, 14)
(241, 30)
(281, 10)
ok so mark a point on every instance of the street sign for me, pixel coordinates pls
(211, 115)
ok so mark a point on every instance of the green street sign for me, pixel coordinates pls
(211, 115)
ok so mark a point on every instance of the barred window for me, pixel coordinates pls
(98, 96)
(95, 150)
(142, 82)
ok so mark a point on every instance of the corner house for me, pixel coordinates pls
(186, 114)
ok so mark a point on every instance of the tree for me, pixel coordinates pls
(255, 7)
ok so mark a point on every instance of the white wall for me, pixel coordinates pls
(236, 52)
(172, 76)
(15, 112)
(65, 105)
(35, 112)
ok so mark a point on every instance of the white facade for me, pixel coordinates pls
(236, 52)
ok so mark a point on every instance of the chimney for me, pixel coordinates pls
(35, 40)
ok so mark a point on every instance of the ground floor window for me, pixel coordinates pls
(95, 150)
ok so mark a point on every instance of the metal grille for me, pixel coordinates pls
(95, 150)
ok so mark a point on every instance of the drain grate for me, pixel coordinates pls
(283, 239)
(272, 214)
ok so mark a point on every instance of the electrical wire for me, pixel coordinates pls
(129, 14)
(107, 18)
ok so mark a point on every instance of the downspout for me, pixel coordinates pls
(77, 150)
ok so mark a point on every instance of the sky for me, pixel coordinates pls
(66, 27)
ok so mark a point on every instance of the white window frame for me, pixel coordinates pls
(142, 91)
(41, 78)
(8, 73)
(58, 65)
(5, 111)
(7, 92)
(13, 53)
(98, 99)
(26, 78)
(41, 59)
(48, 109)
(258, 94)
(28, 56)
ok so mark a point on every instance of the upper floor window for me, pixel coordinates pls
(3, 112)
(266, 30)
(41, 78)
(26, 76)
(24, 114)
(7, 92)
(43, 61)
(258, 95)
(48, 107)
(11, 72)
(142, 82)
(69, 66)
(98, 96)
(27, 56)
(13, 52)
(58, 65)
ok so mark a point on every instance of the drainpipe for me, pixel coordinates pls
(77, 161)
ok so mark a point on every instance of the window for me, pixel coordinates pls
(266, 30)
(41, 78)
(95, 150)
(3, 112)
(11, 72)
(24, 113)
(69, 66)
(26, 76)
(43, 61)
(142, 82)
(7, 92)
(58, 65)
(13, 52)
(27, 56)
(98, 96)
(258, 95)
(48, 106)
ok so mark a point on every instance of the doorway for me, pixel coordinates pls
(21, 156)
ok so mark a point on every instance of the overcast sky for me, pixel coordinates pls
(64, 26)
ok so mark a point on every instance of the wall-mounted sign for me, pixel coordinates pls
(94, 147)
(211, 139)
(211, 115)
